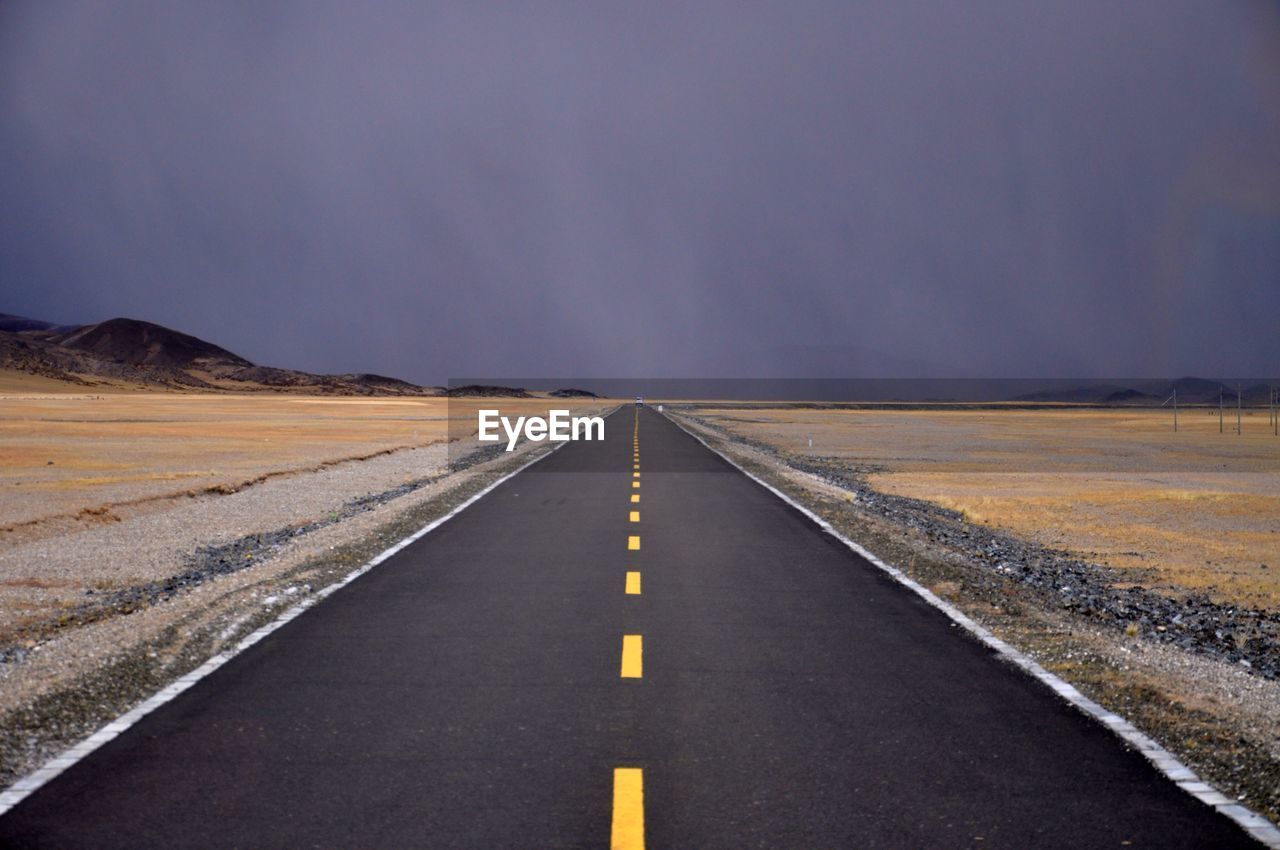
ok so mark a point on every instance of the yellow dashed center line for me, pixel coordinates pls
(627, 828)
(628, 809)
(632, 650)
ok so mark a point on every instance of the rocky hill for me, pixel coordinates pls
(1198, 391)
(133, 352)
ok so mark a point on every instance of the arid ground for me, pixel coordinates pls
(143, 530)
(66, 454)
(1136, 563)
(86, 455)
(1195, 509)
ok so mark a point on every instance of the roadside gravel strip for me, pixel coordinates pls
(1196, 676)
(1244, 636)
(182, 586)
(209, 561)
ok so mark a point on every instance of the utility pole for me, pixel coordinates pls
(1219, 408)
(1237, 408)
(1174, 399)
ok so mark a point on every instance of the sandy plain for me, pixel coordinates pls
(1119, 479)
(85, 454)
(1196, 510)
(100, 491)
(143, 531)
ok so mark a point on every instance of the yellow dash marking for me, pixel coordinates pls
(635, 516)
(635, 475)
(628, 809)
(636, 466)
(635, 483)
(633, 542)
(635, 498)
(633, 583)
(631, 652)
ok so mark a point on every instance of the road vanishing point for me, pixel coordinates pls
(628, 644)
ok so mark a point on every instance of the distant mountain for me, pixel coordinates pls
(145, 344)
(572, 393)
(1198, 390)
(134, 352)
(486, 391)
(1259, 393)
(19, 323)
(1084, 394)
(1203, 391)
(36, 327)
(1190, 391)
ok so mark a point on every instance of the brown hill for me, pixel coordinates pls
(486, 391)
(145, 344)
(133, 352)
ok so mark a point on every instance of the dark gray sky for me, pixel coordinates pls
(688, 189)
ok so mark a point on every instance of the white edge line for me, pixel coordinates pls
(29, 784)
(1166, 762)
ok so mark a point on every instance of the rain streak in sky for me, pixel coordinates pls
(687, 189)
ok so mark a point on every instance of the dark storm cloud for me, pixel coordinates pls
(684, 189)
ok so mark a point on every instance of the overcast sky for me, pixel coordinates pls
(673, 189)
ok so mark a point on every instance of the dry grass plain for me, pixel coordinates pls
(104, 490)
(61, 454)
(78, 454)
(169, 525)
(1194, 510)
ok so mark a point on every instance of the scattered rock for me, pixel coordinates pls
(1193, 622)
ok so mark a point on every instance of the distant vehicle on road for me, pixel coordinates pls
(639, 401)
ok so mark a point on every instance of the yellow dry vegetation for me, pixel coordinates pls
(1192, 510)
(65, 453)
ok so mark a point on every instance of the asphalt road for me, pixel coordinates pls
(479, 690)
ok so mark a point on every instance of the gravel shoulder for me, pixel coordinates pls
(98, 620)
(1201, 678)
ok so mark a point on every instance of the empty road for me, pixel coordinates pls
(632, 644)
